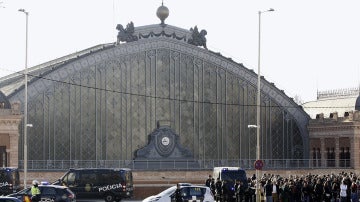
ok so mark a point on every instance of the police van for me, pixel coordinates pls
(9, 180)
(95, 183)
(230, 175)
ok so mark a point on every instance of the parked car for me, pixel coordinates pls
(53, 193)
(9, 199)
(189, 193)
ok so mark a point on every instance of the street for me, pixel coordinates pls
(98, 200)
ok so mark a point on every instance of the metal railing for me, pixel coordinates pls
(60, 165)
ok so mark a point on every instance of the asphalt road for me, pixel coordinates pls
(97, 200)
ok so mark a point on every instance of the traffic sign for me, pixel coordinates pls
(259, 164)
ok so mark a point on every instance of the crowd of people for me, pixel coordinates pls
(342, 187)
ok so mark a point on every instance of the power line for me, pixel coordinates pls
(181, 100)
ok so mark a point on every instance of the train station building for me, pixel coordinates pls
(157, 94)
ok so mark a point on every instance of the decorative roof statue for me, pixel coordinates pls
(126, 35)
(198, 38)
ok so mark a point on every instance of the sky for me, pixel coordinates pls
(306, 45)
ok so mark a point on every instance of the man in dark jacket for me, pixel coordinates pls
(239, 191)
(218, 186)
(178, 196)
(268, 188)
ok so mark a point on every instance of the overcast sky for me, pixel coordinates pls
(306, 45)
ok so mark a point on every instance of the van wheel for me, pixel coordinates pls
(109, 198)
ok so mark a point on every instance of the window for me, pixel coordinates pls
(316, 157)
(70, 179)
(330, 154)
(48, 191)
(345, 157)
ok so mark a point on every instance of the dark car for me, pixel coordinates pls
(53, 193)
(9, 199)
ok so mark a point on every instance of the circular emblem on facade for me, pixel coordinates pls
(165, 141)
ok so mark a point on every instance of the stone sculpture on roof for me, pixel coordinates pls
(198, 38)
(127, 34)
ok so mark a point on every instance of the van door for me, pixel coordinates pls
(71, 180)
(86, 184)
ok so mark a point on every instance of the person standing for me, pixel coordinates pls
(213, 187)
(318, 190)
(305, 190)
(343, 190)
(218, 186)
(225, 191)
(236, 189)
(327, 190)
(178, 196)
(208, 181)
(354, 194)
(275, 191)
(240, 192)
(335, 189)
(268, 189)
(35, 191)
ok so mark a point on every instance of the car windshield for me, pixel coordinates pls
(24, 191)
(168, 191)
(194, 191)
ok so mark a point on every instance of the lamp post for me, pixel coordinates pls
(258, 111)
(25, 99)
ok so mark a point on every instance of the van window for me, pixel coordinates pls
(127, 176)
(70, 179)
(87, 178)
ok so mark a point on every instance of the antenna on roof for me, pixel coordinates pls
(317, 88)
(359, 81)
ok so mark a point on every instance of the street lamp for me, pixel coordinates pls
(258, 111)
(25, 98)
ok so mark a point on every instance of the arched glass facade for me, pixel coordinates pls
(103, 105)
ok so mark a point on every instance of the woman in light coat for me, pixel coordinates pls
(343, 189)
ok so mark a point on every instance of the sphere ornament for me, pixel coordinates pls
(162, 13)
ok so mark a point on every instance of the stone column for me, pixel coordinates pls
(323, 152)
(337, 152)
(14, 150)
(354, 152)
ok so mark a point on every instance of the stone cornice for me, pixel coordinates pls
(333, 127)
(9, 122)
